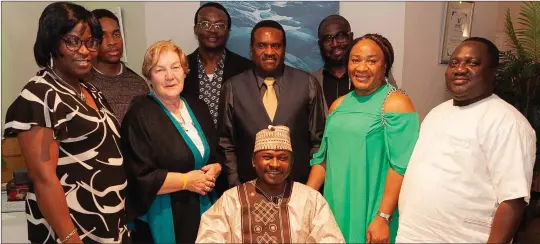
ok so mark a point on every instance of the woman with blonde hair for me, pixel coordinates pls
(167, 142)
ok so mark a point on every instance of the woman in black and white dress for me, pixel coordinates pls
(69, 137)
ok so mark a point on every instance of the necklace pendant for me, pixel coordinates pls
(83, 97)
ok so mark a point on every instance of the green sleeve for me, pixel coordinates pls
(401, 132)
(320, 156)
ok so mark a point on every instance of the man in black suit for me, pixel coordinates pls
(212, 64)
(269, 94)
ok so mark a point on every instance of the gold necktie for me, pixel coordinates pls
(269, 98)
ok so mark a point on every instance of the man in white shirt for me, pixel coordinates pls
(469, 177)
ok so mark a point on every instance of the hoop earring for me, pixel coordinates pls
(51, 61)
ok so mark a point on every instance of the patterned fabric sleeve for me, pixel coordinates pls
(401, 132)
(39, 104)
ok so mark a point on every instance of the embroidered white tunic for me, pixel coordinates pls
(244, 215)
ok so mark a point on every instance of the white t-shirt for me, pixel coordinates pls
(467, 160)
(190, 129)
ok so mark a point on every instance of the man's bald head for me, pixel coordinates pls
(335, 18)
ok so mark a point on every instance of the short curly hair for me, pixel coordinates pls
(151, 57)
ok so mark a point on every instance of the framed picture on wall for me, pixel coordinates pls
(118, 12)
(456, 27)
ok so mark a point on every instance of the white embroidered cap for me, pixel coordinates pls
(274, 138)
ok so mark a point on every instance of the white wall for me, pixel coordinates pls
(171, 21)
(413, 28)
(19, 29)
(385, 18)
(423, 76)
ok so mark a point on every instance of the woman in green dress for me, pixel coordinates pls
(369, 137)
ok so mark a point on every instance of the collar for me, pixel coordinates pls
(326, 71)
(260, 79)
(119, 73)
(219, 67)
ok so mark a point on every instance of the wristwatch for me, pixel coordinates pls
(386, 217)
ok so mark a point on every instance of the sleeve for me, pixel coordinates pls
(38, 104)
(401, 132)
(144, 177)
(317, 114)
(226, 133)
(214, 226)
(324, 228)
(320, 156)
(510, 155)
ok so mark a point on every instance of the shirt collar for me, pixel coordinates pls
(260, 80)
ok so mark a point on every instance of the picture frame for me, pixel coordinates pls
(456, 27)
(118, 12)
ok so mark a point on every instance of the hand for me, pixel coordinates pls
(212, 169)
(199, 182)
(378, 231)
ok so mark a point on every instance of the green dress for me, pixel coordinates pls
(360, 144)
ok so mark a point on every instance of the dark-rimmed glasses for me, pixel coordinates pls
(340, 37)
(74, 43)
(206, 25)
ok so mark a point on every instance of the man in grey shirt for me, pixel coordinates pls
(116, 81)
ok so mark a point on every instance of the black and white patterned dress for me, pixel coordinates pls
(90, 164)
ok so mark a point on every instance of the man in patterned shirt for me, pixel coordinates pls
(212, 64)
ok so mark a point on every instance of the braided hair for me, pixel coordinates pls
(385, 46)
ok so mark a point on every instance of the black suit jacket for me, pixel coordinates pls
(234, 64)
(242, 114)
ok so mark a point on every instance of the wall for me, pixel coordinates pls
(500, 36)
(385, 18)
(18, 63)
(413, 28)
(167, 23)
(171, 21)
(423, 76)
(19, 29)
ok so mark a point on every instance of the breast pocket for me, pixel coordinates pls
(477, 224)
(454, 152)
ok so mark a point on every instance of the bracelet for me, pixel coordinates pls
(185, 181)
(385, 216)
(68, 236)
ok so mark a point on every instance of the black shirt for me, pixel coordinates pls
(334, 87)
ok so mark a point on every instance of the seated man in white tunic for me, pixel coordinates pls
(469, 177)
(271, 208)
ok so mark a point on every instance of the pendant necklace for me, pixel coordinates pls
(81, 94)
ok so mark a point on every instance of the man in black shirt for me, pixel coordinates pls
(212, 63)
(335, 39)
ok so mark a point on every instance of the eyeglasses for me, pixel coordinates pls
(74, 43)
(339, 37)
(206, 25)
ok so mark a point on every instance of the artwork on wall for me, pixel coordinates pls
(299, 19)
(118, 12)
(456, 27)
